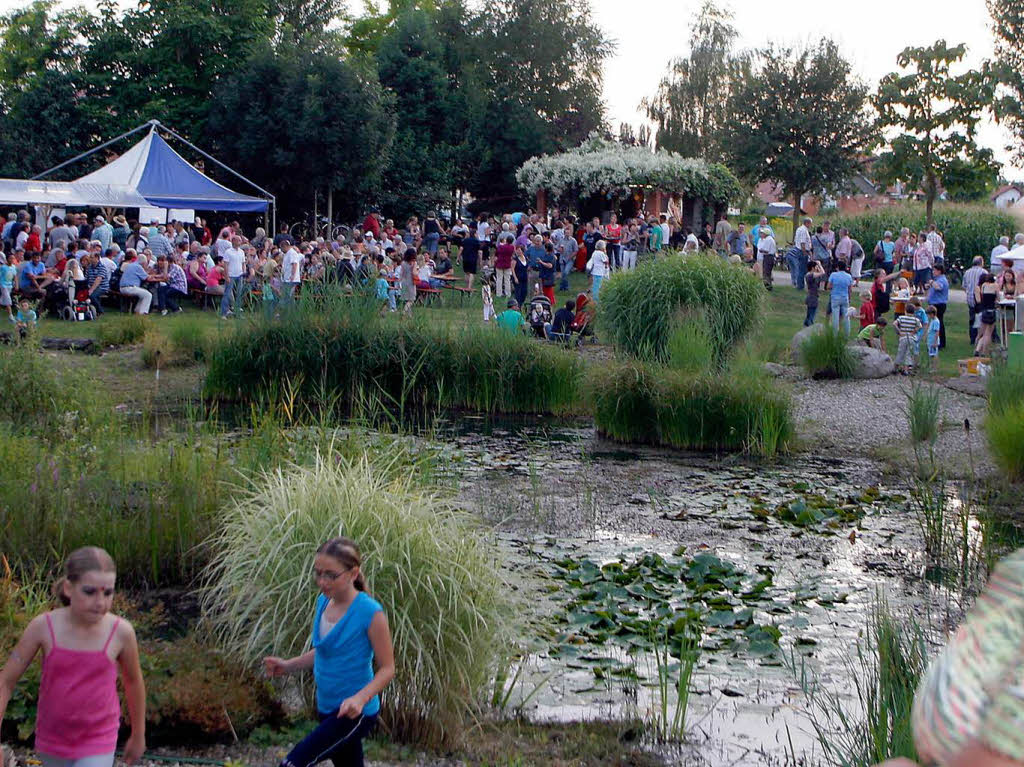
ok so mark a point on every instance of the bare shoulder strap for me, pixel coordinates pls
(113, 630)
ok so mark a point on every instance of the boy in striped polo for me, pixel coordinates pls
(907, 327)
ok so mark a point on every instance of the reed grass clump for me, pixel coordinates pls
(424, 560)
(639, 308)
(184, 341)
(35, 393)
(659, 405)
(357, 356)
(885, 674)
(122, 330)
(1004, 422)
(922, 411)
(826, 354)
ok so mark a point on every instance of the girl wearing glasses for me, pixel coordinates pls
(350, 632)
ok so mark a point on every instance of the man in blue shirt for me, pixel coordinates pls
(34, 278)
(841, 284)
(133, 277)
(938, 296)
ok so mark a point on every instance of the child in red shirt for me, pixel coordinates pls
(867, 309)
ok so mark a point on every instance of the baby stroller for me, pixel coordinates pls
(539, 314)
(582, 323)
(73, 303)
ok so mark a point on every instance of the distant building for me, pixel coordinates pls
(1006, 196)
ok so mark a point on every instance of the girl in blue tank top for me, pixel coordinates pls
(350, 632)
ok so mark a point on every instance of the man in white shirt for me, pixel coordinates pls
(766, 249)
(234, 262)
(801, 240)
(108, 263)
(998, 250)
(291, 271)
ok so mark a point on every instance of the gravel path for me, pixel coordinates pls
(868, 419)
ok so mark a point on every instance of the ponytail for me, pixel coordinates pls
(58, 592)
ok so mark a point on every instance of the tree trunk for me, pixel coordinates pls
(330, 211)
(796, 211)
(929, 204)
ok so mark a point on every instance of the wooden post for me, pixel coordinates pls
(330, 212)
(542, 202)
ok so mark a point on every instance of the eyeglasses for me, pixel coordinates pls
(328, 574)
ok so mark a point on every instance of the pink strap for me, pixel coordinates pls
(112, 632)
(49, 625)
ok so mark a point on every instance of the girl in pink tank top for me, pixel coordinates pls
(84, 647)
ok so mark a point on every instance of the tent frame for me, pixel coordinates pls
(154, 125)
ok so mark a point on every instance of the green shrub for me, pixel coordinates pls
(649, 403)
(638, 308)
(40, 395)
(923, 413)
(1004, 423)
(424, 561)
(689, 344)
(184, 341)
(121, 330)
(826, 354)
(20, 601)
(357, 356)
(969, 230)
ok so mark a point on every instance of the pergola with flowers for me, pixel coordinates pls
(631, 180)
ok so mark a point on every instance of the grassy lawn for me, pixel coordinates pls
(783, 318)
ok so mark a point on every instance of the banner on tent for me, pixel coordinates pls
(165, 215)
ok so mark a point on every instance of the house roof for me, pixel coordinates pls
(1003, 190)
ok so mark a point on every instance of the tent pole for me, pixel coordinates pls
(214, 160)
(91, 151)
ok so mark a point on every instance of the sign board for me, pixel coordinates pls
(148, 214)
(184, 215)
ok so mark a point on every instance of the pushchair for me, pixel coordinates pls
(539, 314)
(583, 321)
(72, 303)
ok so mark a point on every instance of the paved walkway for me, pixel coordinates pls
(956, 295)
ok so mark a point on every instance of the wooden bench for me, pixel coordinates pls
(426, 296)
(202, 298)
(462, 292)
(126, 304)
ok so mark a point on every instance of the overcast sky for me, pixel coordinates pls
(649, 33)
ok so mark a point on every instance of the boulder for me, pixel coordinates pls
(967, 384)
(871, 362)
(796, 345)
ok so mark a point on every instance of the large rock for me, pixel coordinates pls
(797, 344)
(871, 363)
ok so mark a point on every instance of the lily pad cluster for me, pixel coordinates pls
(634, 606)
(818, 512)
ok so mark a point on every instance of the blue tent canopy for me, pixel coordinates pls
(164, 179)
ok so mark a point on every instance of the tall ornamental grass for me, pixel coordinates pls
(658, 405)
(969, 230)
(1004, 422)
(36, 395)
(424, 560)
(826, 354)
(355, 356)
(639, 309)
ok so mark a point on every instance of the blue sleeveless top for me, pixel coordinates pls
(343, 660)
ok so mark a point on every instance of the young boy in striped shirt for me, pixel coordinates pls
(907, 328)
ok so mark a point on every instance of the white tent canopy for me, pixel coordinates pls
(150, 174)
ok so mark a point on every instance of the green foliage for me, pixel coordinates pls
(969, 231)
(890, 661)
(341, 141)
(648, 403)
(689, 111)
(21, 599)
(1004, 423)
(690, 348)
(358, 357)
(424, 561)
(1008, 67)
(826, 354)
(638, 308)
(122, 330)
(923, 413)
(777, 137)
(35, 394)
(936, 114)
(185, 342)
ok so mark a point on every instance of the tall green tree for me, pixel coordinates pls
(971, 181)
(297, 121)
(930, 115)
(1008, 68)
(799, 120)
(163, 58)
(690, 108)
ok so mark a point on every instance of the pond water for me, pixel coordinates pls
(768, 567)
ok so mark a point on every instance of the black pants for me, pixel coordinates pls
(340, 740)
(940, 312)
(167, 297)
(767, 265)
(971, 314)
